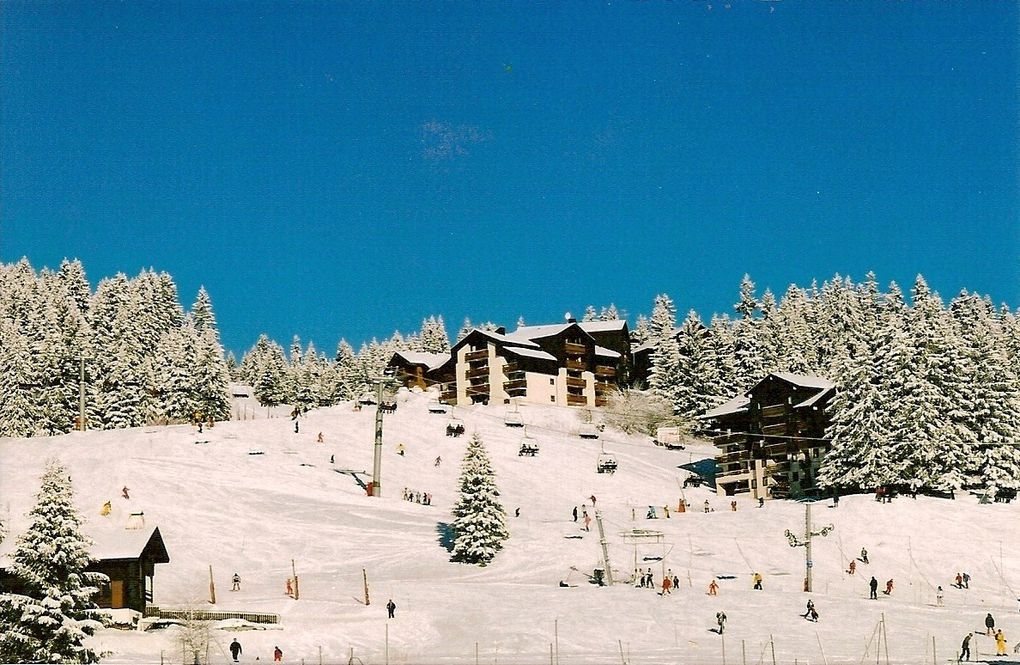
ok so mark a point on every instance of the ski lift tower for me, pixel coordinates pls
(377, 454)
(806, 543)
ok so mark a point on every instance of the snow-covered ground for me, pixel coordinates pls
(217, 505)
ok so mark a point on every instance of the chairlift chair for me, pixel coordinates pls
(606, 463)
(435, 406)
(529, 446)
(588, 431)
(513, 419)
(454, 427)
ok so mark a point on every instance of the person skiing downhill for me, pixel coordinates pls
(124, 492)
(959, 581)
(938, 597)
(966, 580)
(864, 555)
(720, 618)
(965, 648)
(667, 584)
(235, 649)
(853, 567)
(888, 587)
(235, 582)
(713, 588)
(756, 578)
(810, 608)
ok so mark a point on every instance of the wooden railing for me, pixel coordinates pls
(576, 364)
(574, 382)
(574, 348)
(476, 355)
(475, 372)
(576, 400)
(480, 389)
(210, 615)
(773, 410)
(514, 384)
(778, 428)
(510, 368)
(605, 370)
(449, 397)
(601, 401)
(602, 387)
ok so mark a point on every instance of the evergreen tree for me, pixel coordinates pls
(642, 332)
(18, 413)
(50, 622)
(589, 313)
(663, 320)
(479, 524)
(202, 313)
(346, 375)
(696, 384)
(433, 336)
(609, 313)
(465, 328)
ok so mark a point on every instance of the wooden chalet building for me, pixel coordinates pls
(416, 368)
(127, 556)
(572, 364)
(772, 439)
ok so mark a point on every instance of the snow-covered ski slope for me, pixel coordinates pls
(218, 505)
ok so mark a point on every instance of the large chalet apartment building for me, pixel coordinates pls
(569, 364)
(772, 438)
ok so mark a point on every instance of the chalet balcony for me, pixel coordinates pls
(579, 365)
(472, 356)
(732, 458)
(574, 349)
(515, 384)
(576, 400)
(605, 370)
(601, 401)
(480, 389)
(448, 397)
(510, 368)
(603, 387)
(517, 392)
(574, 382)
(773, 411)
(729, 440)
(476, 372)
(778, 428)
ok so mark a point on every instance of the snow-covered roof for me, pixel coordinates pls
(125, 543)
(111, 543)
(605, 353)
(804, 380)
(735, 405)
(505, 339)
(529, 333)
(810, 401)
(530, 353)
(602, 326)
(430, 360)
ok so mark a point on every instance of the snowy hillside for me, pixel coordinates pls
(218, 505)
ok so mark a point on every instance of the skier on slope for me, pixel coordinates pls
(864, 555)
(757, 579)
(720, 618)
(888, 587)
(853, 567)
(391, 607)
(235, 582)
(277, 654)
(989, 624)
(1000, 643)
(713, 588)
(667, 584)
(235, 649)
(873, 585)
(810, 607)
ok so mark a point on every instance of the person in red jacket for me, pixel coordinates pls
(277, 654)
(667, 584)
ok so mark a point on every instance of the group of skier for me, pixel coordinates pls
(424, 498)
(235, 651)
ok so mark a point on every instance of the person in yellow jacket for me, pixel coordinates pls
(105, 510)
(1000, 643)
(757, 578)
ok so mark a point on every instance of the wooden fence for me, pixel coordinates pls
(208, 615)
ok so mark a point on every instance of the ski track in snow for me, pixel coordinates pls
(217, 505)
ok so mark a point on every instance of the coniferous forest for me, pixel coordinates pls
(927, 391)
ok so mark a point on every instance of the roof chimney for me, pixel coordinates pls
(501, 330)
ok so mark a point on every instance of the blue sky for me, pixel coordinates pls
(344, 169)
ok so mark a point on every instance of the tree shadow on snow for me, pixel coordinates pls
(446, 535)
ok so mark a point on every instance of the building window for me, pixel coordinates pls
(552, 398)
(552, 382)
(754, 483)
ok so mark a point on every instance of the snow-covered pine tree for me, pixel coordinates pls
(270, 380)
(465, 328)
(18, 413)
(433, 338)
(76, 283)
(695, 390)
(50, 622)
(986, 396)
(202, 313)
(748, 357)
(641, 332)
(346, 376)
(609, 313)
(210, 376)
(479, 523)
(721, 342)
(590, 314)
(663, 320)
